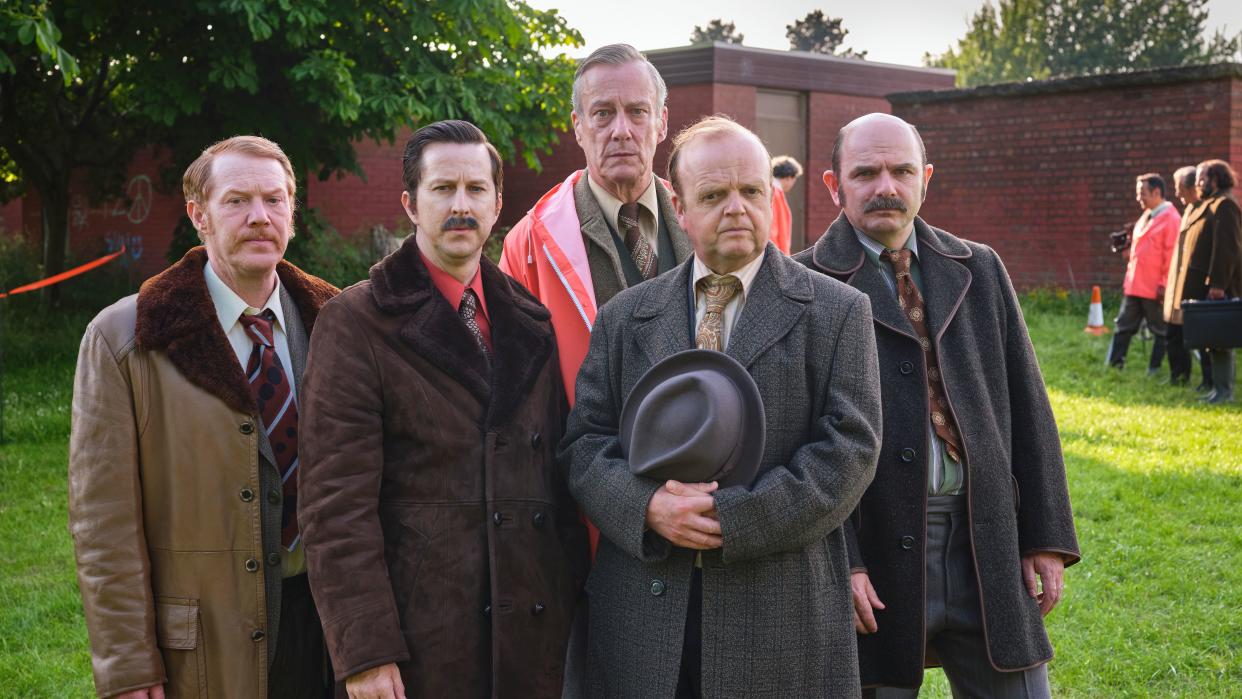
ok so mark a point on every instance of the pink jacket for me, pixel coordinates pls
(1151, 249)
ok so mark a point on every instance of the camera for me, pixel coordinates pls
(1119, 240)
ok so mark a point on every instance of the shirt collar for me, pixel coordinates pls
(746, 274)
(450, 288)
(874, 249)
(611, 206)
(1159, 209)
(230, 306)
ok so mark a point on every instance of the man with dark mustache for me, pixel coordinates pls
(968, 514)
(444, 549)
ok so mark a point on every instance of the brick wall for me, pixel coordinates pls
(1043, 173)
(353, 205)
(826, 114)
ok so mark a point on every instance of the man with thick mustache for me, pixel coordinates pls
(444, 548)
(969, 511)
(183, 458)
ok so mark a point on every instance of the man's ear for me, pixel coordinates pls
(679, 208)
(577, 124)
(832, 183)
(663, 125)
(407, 203)
(197, 215)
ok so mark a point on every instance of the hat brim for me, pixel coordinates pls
(754, 422)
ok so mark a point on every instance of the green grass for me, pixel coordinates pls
(1154, 609)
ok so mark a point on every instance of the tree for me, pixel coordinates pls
(82, 92)
(716, 30)
(1036, 39)
(821, 34)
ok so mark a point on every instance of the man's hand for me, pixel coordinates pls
(153, 692)
(383, 682)
(866, 602)
(685, 514)
(1216, 293)
(1051, 571)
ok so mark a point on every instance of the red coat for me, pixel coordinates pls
(782, 219)
(1151, 249)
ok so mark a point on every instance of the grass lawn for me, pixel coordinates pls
(1154, 609)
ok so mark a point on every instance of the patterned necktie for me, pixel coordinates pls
(279, 414)
(468, 310)
(911, 303)
(640, 250)
(718, 289)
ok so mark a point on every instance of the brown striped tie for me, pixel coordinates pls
(640, 250)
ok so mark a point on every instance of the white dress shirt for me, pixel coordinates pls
(648, 211)
(733, 309)
(229, 309)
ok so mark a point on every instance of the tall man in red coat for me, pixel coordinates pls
(968, 514)
(1151, 248)
(444, 549)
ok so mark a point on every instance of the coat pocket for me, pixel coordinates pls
(180, 639)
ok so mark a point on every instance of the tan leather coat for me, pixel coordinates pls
(165, 492)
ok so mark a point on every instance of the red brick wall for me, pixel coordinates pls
(826, 114)
(352, 205)
(1043, 178)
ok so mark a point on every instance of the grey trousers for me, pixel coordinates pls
(954, 619)
(1133, 311)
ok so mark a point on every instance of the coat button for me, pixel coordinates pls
(246, 428)
(537, 609)
(536, 440)
(251, 565)
(273, 559)
(273, 497)
(907, 454)
(487, 610)
(907, 542)
(538, 520)
(497, 518)
(906, 368)
(246, 494)
(657, 587)
(257, 635)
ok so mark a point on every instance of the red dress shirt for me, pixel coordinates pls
(451, 290)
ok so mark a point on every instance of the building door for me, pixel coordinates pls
(780, 118)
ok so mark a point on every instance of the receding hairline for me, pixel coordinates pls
(617, 55)
(843, 136)
(708, 129)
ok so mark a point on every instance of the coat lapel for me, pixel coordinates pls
(662, 315)
(177, 317)
(522, 338)
(774, 305)
(594, 227)
(681, 243)
(945, 279)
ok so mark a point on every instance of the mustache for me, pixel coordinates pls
(460, 222)
(883, 202)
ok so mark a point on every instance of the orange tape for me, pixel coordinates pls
(57, 278)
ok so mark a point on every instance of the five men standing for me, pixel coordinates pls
(969, 505)
(184, 454)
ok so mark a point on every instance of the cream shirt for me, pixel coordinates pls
(648, 211)
(733, 309)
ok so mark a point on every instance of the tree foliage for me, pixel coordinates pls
(716, 30)
(821, 34)
(1036, 39)
(84, 90)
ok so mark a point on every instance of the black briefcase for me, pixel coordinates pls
(1212, 324)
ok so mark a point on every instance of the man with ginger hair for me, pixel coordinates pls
(183, 455)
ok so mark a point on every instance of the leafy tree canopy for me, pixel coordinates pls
(716, 30)
(821, 34)
(1037, 39)
(82, 90)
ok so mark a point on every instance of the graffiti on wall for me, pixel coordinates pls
(134, 207)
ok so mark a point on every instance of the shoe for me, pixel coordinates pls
(1179, 380)
(1219, 398)
(1152, 371)
(1204, 387)
(1208, 397)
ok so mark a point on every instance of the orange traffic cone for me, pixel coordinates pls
(1095, 315)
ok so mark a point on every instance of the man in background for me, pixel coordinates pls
(785, 174)
(1151, 248)
(1179, 356)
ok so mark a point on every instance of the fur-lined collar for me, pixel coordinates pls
(522, 341)
(176, 316)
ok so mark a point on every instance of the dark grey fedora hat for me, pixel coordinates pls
(695, 417)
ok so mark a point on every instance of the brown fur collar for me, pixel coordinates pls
(522, 340)
(176, 316)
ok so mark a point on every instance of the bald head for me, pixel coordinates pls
(884, 125)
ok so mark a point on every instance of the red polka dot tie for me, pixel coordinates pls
(279, 413)
(911, 303)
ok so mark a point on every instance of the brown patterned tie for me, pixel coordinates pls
(640, 250)
(911, 303)
(718, 289)
(467, 310)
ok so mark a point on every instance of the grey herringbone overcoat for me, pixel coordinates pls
(777, 616)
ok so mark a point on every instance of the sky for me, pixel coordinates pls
(897, 31)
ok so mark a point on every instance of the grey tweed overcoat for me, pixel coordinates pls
(777, 615)
(1016, 489)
